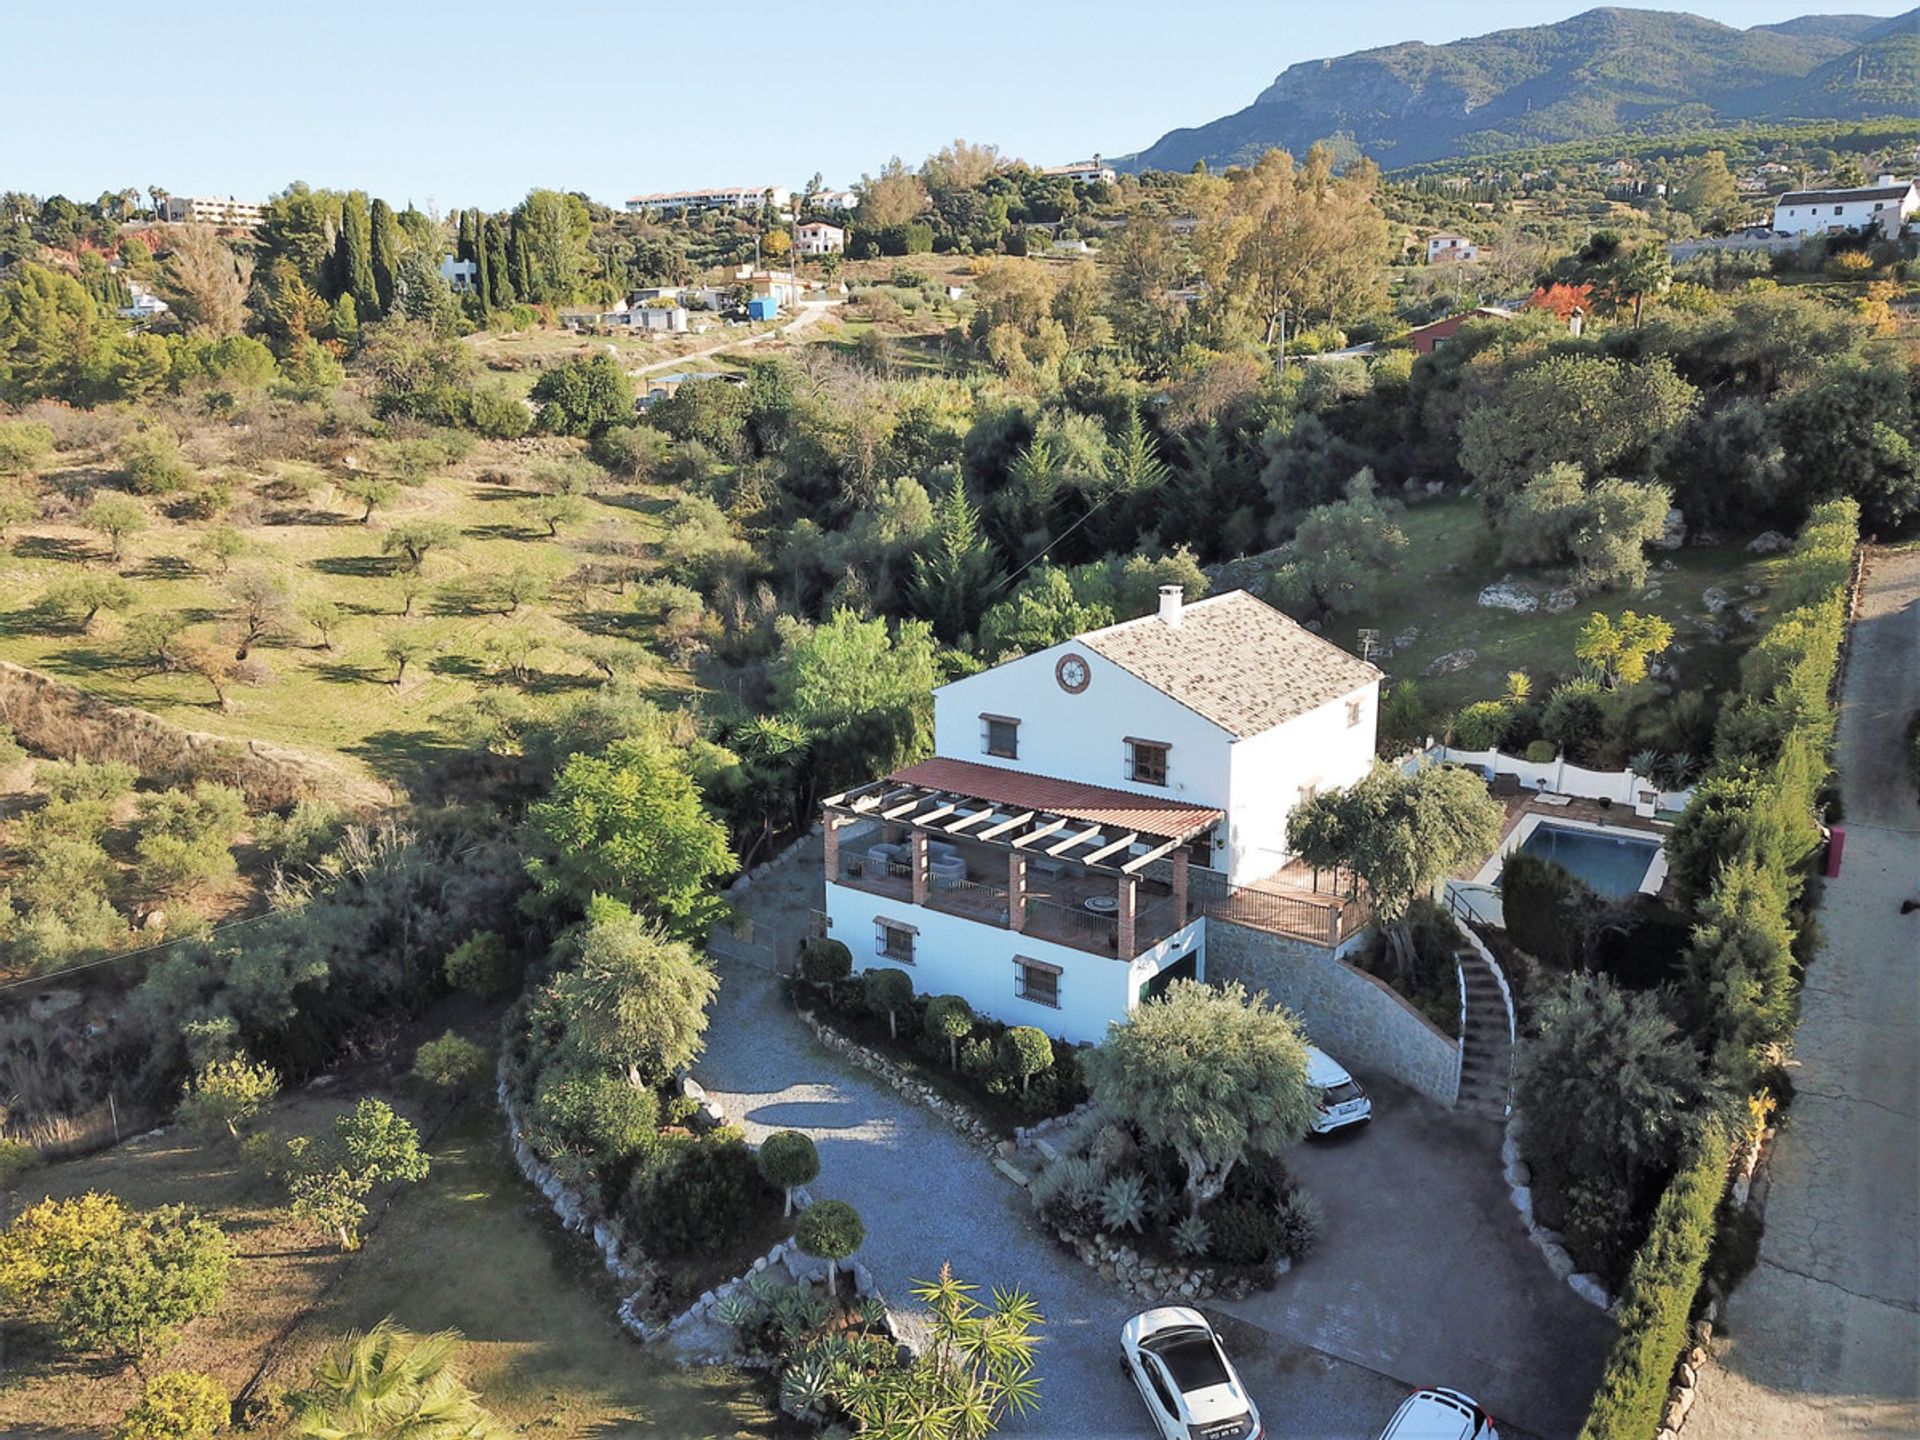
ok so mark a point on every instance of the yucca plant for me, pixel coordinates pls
(1192, 1235)
(1123, 1203)
(391, 1384)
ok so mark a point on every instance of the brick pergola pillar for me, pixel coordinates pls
(830, 841)
(1179, 888)
(917, 864)
(1125, 891)
(1016, 890)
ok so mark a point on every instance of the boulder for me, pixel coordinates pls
(1113, 1149)
(1673, 531)
(1558, 1261)
(1590, 1289)
(1509, 594)
(1453, 661)
(1558, 602)
(1715, 599)
(1523, 1202)
(1768, 542)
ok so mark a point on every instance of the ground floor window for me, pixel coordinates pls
(1037, 981)
(893, 940)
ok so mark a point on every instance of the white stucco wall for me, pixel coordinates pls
(1083, 737)
(956, 956)
(1805, 219)
(1268, 772)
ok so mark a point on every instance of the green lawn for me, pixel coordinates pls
(1451, 556)
(338, 700)
(473, 1247)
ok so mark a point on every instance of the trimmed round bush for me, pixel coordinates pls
(452, 1062)
(788, 1158)
(951, 1018)
(1542, 752)
(830, 1230)
(824, 961)
(1029, 1053)
(889, 990)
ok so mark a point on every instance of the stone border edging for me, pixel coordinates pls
(1750, 1194)
(962, 1119)
(1551, 1243)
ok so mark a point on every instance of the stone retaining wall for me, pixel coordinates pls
(1348, 1013)
(1551, 1244)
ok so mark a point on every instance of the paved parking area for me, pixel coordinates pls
(1425, 1273)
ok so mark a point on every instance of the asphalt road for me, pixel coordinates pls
(1824, 1337)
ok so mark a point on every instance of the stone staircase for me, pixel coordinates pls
(1486, 1067)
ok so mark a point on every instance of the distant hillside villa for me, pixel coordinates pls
(1083, 172)
(1884, 207)
(720, 197)
(1055, 861)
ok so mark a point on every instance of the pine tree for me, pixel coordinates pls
(384, 254)
(954, 575)
(353, 259)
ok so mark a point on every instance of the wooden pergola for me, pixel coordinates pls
(1026, 816)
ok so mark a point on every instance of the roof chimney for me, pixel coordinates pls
(1170, 601)
(1887, 179)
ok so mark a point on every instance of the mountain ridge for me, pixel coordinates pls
(1602, 70)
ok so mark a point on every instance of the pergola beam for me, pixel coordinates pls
(905, 807)
(984, 813)
(1039, 832)
(1092, 832)
(938, 812)
(1105, 850)
(1140, 862)
(994, 832)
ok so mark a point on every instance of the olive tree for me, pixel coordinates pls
(1213, 1074)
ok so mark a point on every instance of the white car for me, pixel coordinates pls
(1190, 1387)
(1440, 1415)
(1337, 1097)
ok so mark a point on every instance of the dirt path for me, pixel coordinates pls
(1824, 1337)
(811, 313)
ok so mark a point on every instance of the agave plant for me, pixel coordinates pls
(807, 1384)
(873, 1313)
(1646, 764)
(735, 1311)
(1680, 769)
(1082, 1180)
(1192, 1235)
(1123, 1203)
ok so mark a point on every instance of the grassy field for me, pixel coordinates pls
(1451, 556)
(473, 1248)
(339, 700)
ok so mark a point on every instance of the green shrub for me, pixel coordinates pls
(950, 1018)
(1536, 895)
(483, 965)
(598, 1115)
(176, 1405)
(1243, 1232)
(1575, 721)
(1481, 725)
(888, 991)
(1297, 1223)
(1542, 752)
(17, 1157)
(789, 1158)
(152, 463)
(824, 961)
(694, 1195)
(1029, 1052)
(451, 1062)
(23, 445)
(497, 415)
(830, 1230)
(1656, 1303)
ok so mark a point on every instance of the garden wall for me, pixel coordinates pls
(1348, 1013)
(51, 717)
(1622, 787)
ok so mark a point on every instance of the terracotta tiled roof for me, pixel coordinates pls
(1117, 810)
(1234, 660)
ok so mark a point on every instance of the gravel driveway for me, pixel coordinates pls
(926, 1196)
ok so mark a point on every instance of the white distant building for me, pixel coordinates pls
(835, 200)
(666, 319)
(1054, 860)
(1443, 249)
(816, 237)
(722, 197)
(210, 210)
(461, 275)
(1083, 172)
(1884, 207)
(142, 304)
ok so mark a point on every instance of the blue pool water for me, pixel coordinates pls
(1613, 865)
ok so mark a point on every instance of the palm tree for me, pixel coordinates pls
(1643, 272)
(388, 1383)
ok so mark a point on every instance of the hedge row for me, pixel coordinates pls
(1742, 846)
(1656, 1305)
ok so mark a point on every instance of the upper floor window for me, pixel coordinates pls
(1147, 761)
(1353, 713)
(1000, 736)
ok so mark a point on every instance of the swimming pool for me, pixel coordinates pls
(1613, 864)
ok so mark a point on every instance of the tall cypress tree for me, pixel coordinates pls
(463, 247)
(500, 292)
(520, 259)
(384, 254)
(354, 258)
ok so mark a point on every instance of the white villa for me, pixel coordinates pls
(816, 237)
(1884, 207)
(1090, 806)
(1444, 247)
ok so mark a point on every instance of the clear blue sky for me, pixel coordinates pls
(472, 103)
